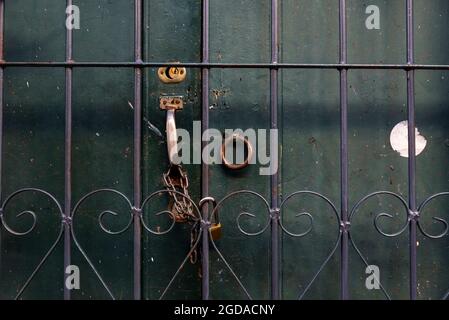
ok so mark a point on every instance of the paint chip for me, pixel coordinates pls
(399, 140)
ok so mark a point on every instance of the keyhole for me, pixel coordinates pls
(169, 71)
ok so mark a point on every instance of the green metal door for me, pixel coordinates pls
(84, 149)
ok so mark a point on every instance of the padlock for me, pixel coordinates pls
(215, 231)
(215, 228)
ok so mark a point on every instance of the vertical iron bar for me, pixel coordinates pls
(411, 149)
(137, 249)
(344, 153)
(274, 180)
(68, 155)
(204, 166)
(2, 21)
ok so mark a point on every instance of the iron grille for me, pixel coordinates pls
(274, 205)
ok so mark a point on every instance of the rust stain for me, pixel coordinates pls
(218, 93)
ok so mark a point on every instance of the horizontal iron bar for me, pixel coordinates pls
(227, 65)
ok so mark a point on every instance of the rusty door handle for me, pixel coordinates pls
(171, 104)
(172, 137)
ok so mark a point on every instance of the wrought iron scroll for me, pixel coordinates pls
(33, 215)
(268, 212)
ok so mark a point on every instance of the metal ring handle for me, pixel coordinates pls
(230, 140)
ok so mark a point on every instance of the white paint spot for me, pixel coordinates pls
(399, 140)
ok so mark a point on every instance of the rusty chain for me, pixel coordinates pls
(176, 180)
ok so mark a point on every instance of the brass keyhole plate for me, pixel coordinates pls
(172, 74)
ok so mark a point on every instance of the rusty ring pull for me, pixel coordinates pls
(230, 141)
